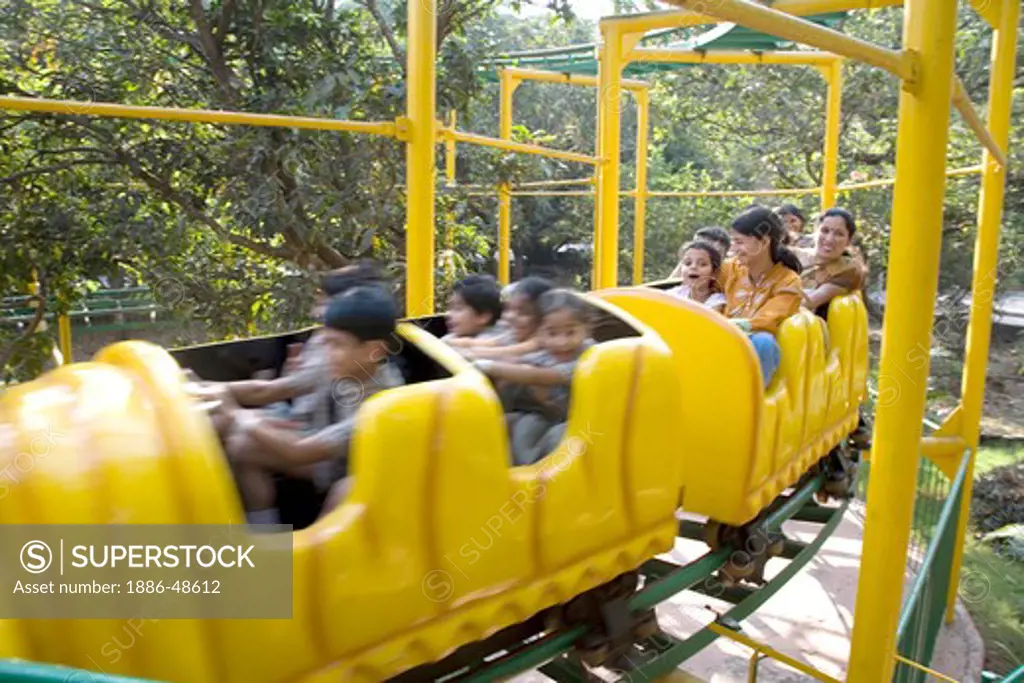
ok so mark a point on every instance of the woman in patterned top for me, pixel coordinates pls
(830, 269)
(762, 283)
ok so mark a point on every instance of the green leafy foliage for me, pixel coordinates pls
(224, 223)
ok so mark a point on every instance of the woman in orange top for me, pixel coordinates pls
(761, 283)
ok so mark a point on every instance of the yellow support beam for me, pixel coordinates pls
(918, 201)
(990, 11)
(986, 259)
(963, 105)
(609, 118)
(670, 56)
(883, 182)
(652, 21)
(776, 22)
(930, 672)
(833, 114)
(640, 202)
(420, 169)
(771, 652)
(523, 74)
(235, 118)
(449, 152)
(735, 193)
(507, 86)
(518, 147)
(64, 337)
(589, 180)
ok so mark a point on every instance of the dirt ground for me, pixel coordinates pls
(1003, 414)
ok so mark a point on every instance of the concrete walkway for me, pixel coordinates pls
(810, 618)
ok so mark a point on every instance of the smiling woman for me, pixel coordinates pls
(830, 269)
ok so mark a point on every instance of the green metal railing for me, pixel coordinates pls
(126, 309)
(936, 514)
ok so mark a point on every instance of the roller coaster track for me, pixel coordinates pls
(533, 644)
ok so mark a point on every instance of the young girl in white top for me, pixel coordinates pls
(699, 268)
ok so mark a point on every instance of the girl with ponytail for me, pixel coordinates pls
(761, 283)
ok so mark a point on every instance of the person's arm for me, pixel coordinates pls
(260, 392)
(522, 374)
(822, 295)
(286, 445)
(513, 350)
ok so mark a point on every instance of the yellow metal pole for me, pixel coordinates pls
(986, 256)
(918, 198)
(676, 56)
(775, 21)
(124, 111)
(507, 85)
(521, 74)
(518, 147)
(640, 203)
(64, 336)
(449, 151)
(609, 102)
(650, 21)
(963, 105)
(421, 111)
(449, 230)
(833, 113)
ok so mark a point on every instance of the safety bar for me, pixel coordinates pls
(123, 111)
(768, 651)
(963, 104)
(563, 77)
(520, 147)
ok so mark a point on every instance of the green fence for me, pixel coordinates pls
(936, 516)
(101, 311)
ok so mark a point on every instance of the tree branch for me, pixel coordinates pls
(15, 177)
(226, 78)
(385, 29)
(40, 298)
(167, 191)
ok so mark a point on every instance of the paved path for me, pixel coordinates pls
(810, 619)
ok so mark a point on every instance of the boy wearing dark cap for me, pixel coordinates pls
(357, 327)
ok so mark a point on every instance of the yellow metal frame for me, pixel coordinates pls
(925, 65)
(762, 650)
(619, 50)
(509, 79)
(930, 87)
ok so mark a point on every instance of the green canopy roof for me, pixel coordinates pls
(582, 59)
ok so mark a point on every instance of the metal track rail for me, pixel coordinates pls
(531, 645)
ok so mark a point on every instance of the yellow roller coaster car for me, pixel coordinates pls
(400, 574)
(744, 445)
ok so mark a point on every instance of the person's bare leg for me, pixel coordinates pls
(255, 480)
(337, 495)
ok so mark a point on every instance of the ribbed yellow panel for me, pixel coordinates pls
(439, 543)
(744, 446)
(816, 399)
(722, 396)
